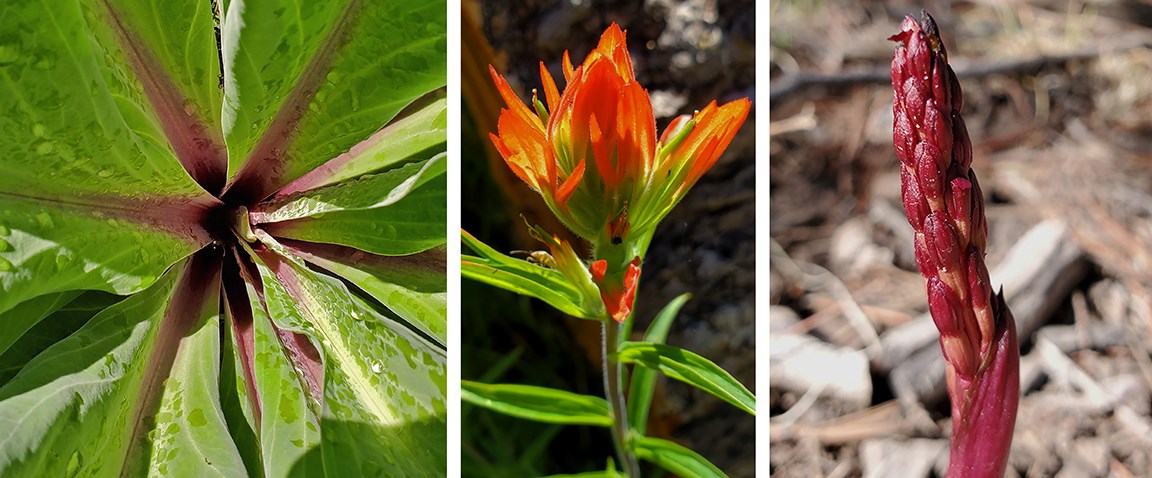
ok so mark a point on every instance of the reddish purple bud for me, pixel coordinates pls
(899, 67)
(914, 96)
(915, 207)
(978, 283)
(942, 87)
(960, 205)
(919, 56)
(962, 146)
(925, 259)
(937, 131)
(903, 136)
(928, 171)
(945, 307)
(956, 95)
(941, 239)
(978, 232)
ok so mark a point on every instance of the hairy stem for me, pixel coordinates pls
(615, 395)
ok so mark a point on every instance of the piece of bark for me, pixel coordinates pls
(1037, 275)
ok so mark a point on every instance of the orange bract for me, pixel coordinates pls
(591, 151)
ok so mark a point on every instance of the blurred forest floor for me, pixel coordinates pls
(1058, 102)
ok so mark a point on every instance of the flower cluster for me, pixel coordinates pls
(593, 155)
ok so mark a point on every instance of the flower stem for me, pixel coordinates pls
(615, 395)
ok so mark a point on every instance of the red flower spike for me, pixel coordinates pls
(945, 207)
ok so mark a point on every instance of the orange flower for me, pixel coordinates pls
(592, 151)
(593, 155)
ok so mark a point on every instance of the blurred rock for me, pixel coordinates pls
(890, 458)
(800, 363)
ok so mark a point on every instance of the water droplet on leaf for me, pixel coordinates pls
(74, 464)
(45, 220)
(104, 173)
(196, 418)
(44, 148)
(62, 261)
(38, 130)
(9, 53)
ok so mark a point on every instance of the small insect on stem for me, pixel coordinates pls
(540, 258)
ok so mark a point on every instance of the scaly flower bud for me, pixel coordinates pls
(946, 210)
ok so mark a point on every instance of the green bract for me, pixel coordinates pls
(222, 238)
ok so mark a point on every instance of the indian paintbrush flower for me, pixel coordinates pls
(593, 155)
(946, 210)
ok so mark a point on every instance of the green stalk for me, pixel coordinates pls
(613, 391)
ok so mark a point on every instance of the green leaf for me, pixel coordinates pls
(190, 435)
(643, 382)
(56, 326)
(426, 127)
(590, 474)
(46, 250)
(366, 192)
(672, 457)
(384, 387)
(414, 287)
(80, 405)
(523, 277)
(540, 404)
(76, 122)
(414, 224)
(689, 368)
(15, 322)
(289, 424)
(304, 82)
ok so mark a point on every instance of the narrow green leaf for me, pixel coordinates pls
(413, 224)
(236, 402)
(71, 408)
(422, 129)
(366, 192)
(414, 287)
(181, 35)
(643, 382)
(689, 368)
(304, 82)
(289, 424)
(540, 404)
(590, 474)
(15, 322)
(76, 120)
(521, 277)
(673, 457)
(190, 435)
(47, 250)
(58, 325)
(384, 386)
